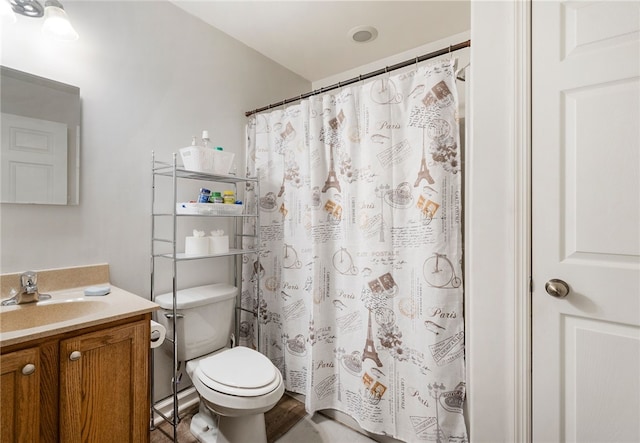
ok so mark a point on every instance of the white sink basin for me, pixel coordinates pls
(32, 315)
(67, 310)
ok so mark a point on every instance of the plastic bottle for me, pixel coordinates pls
(216, 197)
(229, 197)
(205, 139)
(204, 195)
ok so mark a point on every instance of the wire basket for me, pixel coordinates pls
(209, 209)
(207, 160)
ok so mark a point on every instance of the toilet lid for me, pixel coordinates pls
(239, 371)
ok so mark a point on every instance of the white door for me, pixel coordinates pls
(34, 160)
(586, 221)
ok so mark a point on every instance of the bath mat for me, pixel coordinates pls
(283, 417)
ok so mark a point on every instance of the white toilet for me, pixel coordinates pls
(238, 384)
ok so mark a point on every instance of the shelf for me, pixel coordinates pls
(164, 214)
(181, 256)
(167, 170)
(175, 172)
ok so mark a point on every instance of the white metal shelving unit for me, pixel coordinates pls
(177, 174)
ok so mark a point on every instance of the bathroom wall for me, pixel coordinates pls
(463, 56)
(150, 77)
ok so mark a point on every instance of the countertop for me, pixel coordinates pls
(86, 311)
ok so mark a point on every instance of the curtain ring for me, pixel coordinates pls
(416, 62)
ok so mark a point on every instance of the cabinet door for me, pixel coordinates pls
(104, 390)
(20, 395)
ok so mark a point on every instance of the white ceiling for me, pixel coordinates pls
(311, 38)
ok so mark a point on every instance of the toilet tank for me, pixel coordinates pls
(205, 319)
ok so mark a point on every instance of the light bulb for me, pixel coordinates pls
(6, 13)
(56, 24)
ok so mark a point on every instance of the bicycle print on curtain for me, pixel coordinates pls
(360, 268)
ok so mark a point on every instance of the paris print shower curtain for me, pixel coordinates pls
(360, 293)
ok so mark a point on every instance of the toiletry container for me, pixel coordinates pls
(229, 197)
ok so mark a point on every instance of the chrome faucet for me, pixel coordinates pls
(28, 291)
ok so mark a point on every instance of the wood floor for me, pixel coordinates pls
(278, 420)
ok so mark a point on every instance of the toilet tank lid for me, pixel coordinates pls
(198, 296)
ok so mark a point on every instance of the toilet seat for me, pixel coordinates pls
(239, 371)
(223, 396)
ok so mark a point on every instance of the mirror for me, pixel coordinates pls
(40, 139)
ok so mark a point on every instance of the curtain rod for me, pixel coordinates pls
(403, 64)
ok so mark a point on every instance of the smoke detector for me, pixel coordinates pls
(363, 34)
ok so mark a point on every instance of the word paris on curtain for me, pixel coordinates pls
(360, 283)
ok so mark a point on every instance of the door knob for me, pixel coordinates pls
(29, 369)
(75, 355)
(557, 288)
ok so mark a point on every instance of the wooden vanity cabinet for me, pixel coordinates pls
(19, 396)
(103, 387)
(99, 391)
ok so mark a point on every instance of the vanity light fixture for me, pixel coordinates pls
(56, 23)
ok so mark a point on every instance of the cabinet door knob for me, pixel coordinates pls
(28, 369)
(75, 355)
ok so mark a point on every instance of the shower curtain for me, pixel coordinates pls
(360, 290)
